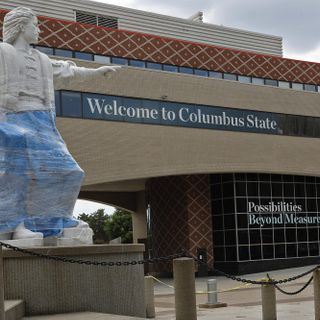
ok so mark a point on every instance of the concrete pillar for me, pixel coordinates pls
(2, 313)
(316, 290)
(184, 289)
(139, 218)
(268, 296)
(149, 297)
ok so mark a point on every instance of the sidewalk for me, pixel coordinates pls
(244, 303)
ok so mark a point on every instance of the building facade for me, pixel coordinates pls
(207, 135)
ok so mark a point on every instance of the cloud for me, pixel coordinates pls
(297, 22)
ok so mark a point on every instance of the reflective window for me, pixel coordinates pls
(284, 84)
(200, 72)
(83, 55)
(310, 87)
(257, 80)
(186, 70)
(271, 82)
(170, 68)
(101, 59)
(45, 50)
(230, 76)
(63, 53)
(153, 65)
(244, 79)
(137, 63)
(215, 74)
(121, 61)
(71, 104)
(297, 86)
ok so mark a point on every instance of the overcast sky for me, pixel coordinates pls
(297, 22)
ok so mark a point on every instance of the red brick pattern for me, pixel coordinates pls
(180, 215)
(104, 41)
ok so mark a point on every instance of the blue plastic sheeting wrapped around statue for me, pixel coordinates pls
(39, 179)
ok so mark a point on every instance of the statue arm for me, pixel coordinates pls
(66, 71)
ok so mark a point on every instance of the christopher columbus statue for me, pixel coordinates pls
(39, 179)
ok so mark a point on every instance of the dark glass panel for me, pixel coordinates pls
(241, 189)
(313, 234)
(288, 190)
(242, 205)
(216, 191)
(218, 238)
(215, 178)
(276, 189)
(242, 220)
(255, 252)
(253, 189)
(219, 254)
(267, 252)
(291, 250)
(63, 53)
(83, 55)
(313, 249)
(291, 235)
(217, 222)
(255, 236)
(71, 104)
(228, 190)
(230, 237)
(311, 190)
(243, 253)
(303, 250)
(280, 251)
(243, 237)
(265, 189)
(302, 234)
(228, 205)
(229, 221)
(267, 236)
(217, 207)
(278, 235)
(231, 254)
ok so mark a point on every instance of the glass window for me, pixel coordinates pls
(153, 65)
(137, 63)
(271, 82)
(284, 84)
(45, 50)
(230, 76)
(101, 59)
(186, 70)
(63, 53)
(310, 87)
(71, 104)
(244, 79)
(201, 72)
(83, 55)
(170, 68)
(257, 80)
(215, 74)
(297, 86)
(121, 61)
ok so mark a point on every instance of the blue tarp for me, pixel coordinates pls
(39, 179)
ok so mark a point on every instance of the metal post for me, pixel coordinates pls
(316, 291)
(268, 296)
(184, 289)
(2, 311)
(212, 291)
(149, 297)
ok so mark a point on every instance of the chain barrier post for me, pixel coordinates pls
(2, 311)
(149, 296)
(268, 296)
(212, 289)
(184, 289)
(316, 290)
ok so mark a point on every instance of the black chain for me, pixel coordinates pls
(261, 282)
(292, 293)
(93, 263)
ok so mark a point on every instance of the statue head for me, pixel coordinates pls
(14, 21)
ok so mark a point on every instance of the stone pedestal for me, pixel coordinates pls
(49, 286)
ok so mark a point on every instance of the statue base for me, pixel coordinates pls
(70, 237)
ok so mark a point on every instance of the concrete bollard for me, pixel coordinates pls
(316, 291)
(2, 311)
(149, 297)
(184, 289)
(268, 296)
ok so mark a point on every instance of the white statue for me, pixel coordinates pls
(39, 179)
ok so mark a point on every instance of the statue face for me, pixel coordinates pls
(30, 31)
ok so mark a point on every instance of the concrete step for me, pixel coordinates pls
(14, 309)
(82, 316)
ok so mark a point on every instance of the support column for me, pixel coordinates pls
(139, 218)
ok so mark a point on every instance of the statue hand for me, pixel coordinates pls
(107, 70)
